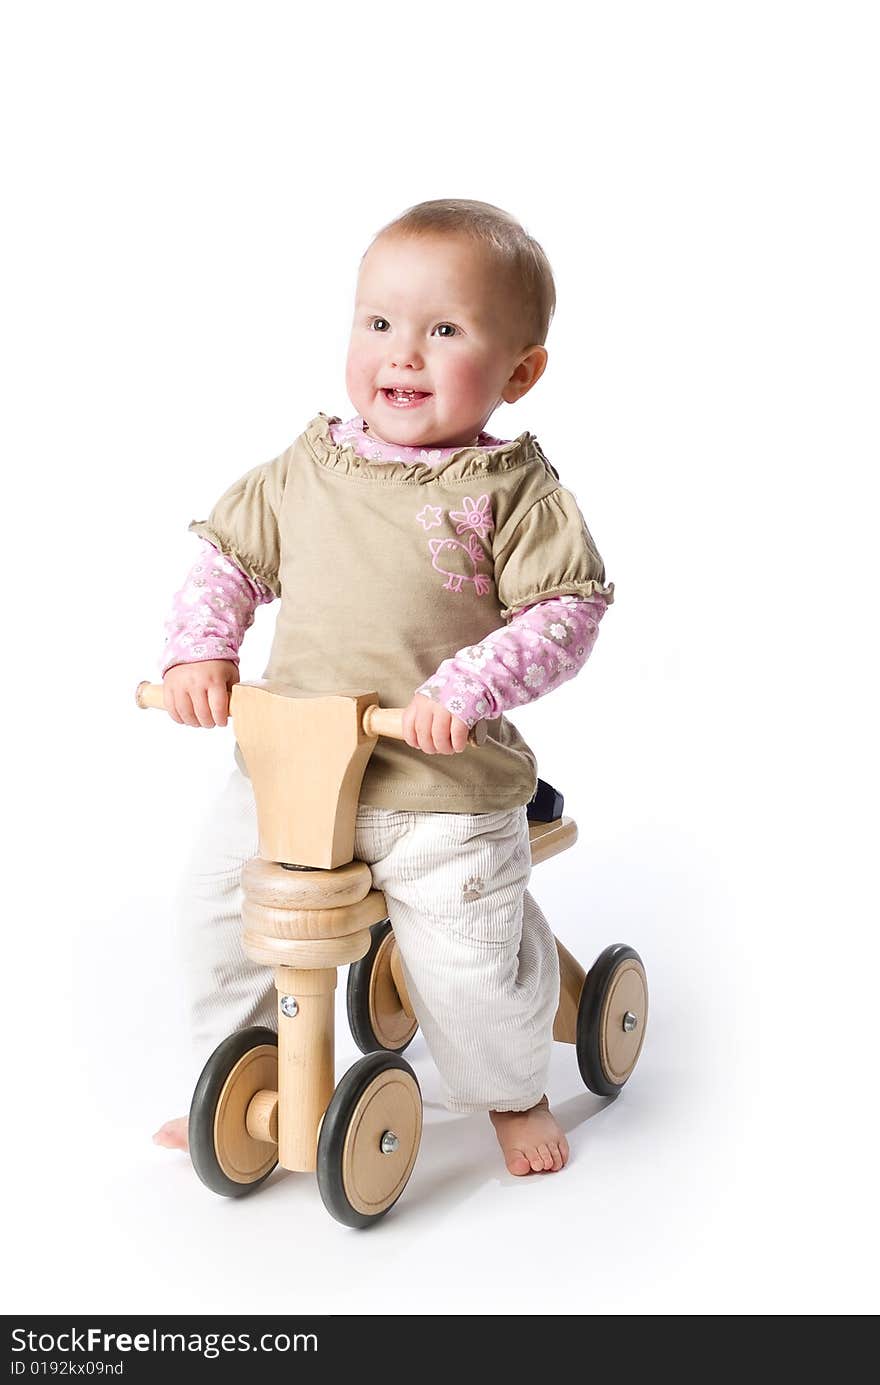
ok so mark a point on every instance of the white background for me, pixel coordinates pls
(188, 191)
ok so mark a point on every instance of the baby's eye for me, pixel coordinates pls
(443, 325)
(374, 320)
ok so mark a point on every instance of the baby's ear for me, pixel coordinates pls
(527, 374)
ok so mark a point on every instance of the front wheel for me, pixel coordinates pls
(225, 1155)
(612, 1017)
(369, 1139)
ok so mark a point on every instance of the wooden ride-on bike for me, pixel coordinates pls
(308, 907)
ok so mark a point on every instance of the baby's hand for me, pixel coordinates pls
(429, 727)
(198, 694)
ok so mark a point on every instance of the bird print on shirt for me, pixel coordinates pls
(457, 559)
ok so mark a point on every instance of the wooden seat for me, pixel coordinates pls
(549, 838)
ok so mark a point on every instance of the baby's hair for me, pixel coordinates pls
(517, 254)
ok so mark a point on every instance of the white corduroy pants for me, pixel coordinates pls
(479, 958)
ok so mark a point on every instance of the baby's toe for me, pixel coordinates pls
(558, 1160)
(517, 1162)
(546, 1156)
(563, 1149)
(173, 1134)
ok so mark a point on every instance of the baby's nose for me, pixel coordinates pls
(403, 353)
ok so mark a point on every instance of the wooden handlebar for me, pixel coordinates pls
(388, 721)
(150, 695)
(377, 721)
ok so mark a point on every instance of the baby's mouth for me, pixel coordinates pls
(405, 399)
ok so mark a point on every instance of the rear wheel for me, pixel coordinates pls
(376, 1015)
(612, 1017)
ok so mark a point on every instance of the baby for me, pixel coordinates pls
(415, 554)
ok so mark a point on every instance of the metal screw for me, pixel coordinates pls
(629, 1022)
(289, 1006)
(389, 1142)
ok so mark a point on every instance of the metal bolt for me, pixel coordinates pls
(389, 1142)
(629, 1022)
(289, 1006)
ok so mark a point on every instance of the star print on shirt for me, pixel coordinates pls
(430, 516)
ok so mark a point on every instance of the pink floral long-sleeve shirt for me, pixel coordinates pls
(541, 647)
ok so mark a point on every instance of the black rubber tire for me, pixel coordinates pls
(589, 1013)
(357, 997)
(334, 1128)
(204, 1105)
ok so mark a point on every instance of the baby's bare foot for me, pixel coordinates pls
(173, 1134)
(532, 1141)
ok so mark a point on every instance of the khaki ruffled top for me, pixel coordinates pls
(385, 569)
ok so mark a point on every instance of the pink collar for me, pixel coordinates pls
(355, 435)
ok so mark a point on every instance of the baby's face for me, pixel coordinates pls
(431, 317)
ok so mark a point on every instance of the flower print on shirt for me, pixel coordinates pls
(474, 655)
(476, 515)
(534, 676)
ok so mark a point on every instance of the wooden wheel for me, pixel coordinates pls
(225, 1154)
(612, 1018)
(369, 1139)
(377, 1017)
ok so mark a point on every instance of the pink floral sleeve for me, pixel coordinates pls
(211, 612)
(542, 647)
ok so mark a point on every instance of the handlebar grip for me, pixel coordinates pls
(388, 721)
(150, 695)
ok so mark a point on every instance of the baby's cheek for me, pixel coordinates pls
(470, 381)
(361, 368)
(355, 374)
